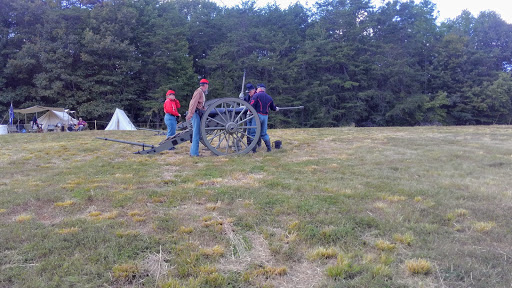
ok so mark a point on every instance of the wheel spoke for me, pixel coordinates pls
(220, 140)
(241, 113)
(210, 118)
(220, 115)
(215, 136)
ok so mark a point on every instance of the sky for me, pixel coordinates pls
(448, 9)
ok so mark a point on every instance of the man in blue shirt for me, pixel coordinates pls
(251, 132)
(262, 102)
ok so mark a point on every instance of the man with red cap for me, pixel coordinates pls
(195, 111)
(171, 106)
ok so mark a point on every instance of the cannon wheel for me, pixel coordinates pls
(224, 126)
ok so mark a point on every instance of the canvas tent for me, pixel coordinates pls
(53, 117)
(38, 108)
(120, 121)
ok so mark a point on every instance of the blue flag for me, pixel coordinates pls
(11, 115)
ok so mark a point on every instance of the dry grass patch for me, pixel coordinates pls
(394, 198)
(111, 215)
(68, 230)
(138, 219)
(158, 199)
(127, 233)
(125, 272)
(323, 253)
(380, 205)
(207, 183)
(406, 238)
(94, 214)
(461, 212)
(212, 207)
(382, 271)
(3, 210)
(65, 203)
(483, 226)
(289, 237)
(384, 245)
(23, 218)
(265, 272)
(135, 213)
(214, 252)
(418, 266)
(344, 268)
(185, 230)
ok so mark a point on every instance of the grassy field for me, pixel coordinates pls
(339, 207)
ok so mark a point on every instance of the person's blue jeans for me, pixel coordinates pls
(170, 121)
(251, 132)
(196, 135)
(264, 122)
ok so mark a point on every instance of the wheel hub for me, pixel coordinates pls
(231, 127)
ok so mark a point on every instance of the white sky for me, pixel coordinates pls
(447, 8)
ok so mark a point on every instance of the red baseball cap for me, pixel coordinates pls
(170, 92)
(203, 81)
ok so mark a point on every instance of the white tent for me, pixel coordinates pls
(53, 117)
(120, 122)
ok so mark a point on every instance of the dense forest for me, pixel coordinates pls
(346, 61)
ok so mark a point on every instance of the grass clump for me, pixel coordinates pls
(483, 226)
(125, 272)
(23, 218)
(393, 198)
(344, 269)
(212, 207)
(185, 230)
(406, 238)
(138, 219)
(461, 212)
(68, 230)
(384, 245)
(265, 272)
(323, 253)
(135, 213)
(214, 252)
(294, 225)
(418, 266)
(64, 204)
(127, 233)
(381, 271)
(158, 199)
(110, 216)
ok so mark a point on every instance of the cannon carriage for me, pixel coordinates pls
(224, 126)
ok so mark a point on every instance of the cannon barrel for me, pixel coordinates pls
(289, 108)
(127, 142)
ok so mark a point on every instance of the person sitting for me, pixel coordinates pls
(59, 127)
(81, 124)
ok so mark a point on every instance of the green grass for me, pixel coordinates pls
(378, 199)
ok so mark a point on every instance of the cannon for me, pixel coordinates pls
(223, 128)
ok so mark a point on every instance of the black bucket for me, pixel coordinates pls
(277, 144)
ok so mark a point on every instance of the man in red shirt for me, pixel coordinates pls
(171, 106)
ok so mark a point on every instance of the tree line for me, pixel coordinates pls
(346, 61)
